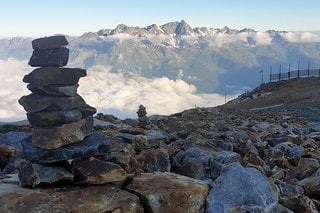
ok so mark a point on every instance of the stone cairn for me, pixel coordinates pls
(142, 116)
(62, 121)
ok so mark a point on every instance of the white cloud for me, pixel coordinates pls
(113, 93)
(262, 38)
(301, 37)
(12, 88)
(108, 92)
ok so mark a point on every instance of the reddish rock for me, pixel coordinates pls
(168, 192)
(6, 153)
(311, 187)
(154, 160)
(103, 198)
(95, 171)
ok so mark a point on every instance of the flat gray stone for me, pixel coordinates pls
(54, 75)
(57, 57)
(93, 145)
(36, 174)
(54, 90)
(55, 137)
(49, 42)
(37, 103)
(42, 119)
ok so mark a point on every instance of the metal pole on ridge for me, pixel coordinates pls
(271, 73)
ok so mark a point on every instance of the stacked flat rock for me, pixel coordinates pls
(62, 121)
(58, 114)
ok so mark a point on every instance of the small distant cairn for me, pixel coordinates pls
(62, 121)
(142, 116)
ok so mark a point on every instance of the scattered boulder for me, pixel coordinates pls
(168, 192)
(238, 188)
(311, 187)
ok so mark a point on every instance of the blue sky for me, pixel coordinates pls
(74, 17)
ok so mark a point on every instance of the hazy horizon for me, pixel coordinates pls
(44, 18)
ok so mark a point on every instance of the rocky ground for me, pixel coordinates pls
(258, 153)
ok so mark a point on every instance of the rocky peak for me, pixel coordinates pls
(227, 30)
(247, 30)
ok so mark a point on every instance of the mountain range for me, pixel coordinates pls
(211, 59)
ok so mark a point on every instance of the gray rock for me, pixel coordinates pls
(197, 163)
(55, 137)
(14, 139)
(41, 119)
(49, 42)
(241, 188)
(10, 150)
(55, 90)
(93, 145)
(36, 103)
(35, 174)
(317, 174)
(57, 57)
(54, 76)
(224, 145)
(290, 149)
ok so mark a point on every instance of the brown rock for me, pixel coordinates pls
(6, 153)
(50, 42)
(139, 142)
(154, 160)
(55, 137)
(103, 198)
(251, 159)
(306, 167)
(311, 187)
(168, 192)
(299, 204)
(95, 171)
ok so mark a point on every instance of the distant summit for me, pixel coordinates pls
(171, 28)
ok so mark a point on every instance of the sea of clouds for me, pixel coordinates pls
(110, 93)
